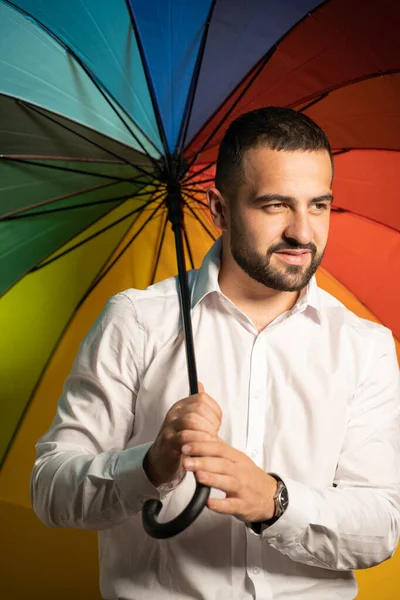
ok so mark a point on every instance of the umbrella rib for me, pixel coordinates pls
(264, 59)
(99, 279)
(188, 245)
(77, 206)
(198, 201)
(149, 80)
(193, 175)
(199, 220)
(78, 159)
(153, 276)
(96, 220)
(201, 181)
(257, 72)
(339, 209)
(93, 78)
(196, 190)
(47, 363)
(313, 100)
(80, 135)
(16, 214)
(94, 235)
(56, 199)
(342, 151)
(193, 86)
(333, 88)
(364, 148)
(67, 169)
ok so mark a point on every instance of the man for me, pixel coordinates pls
(295, 427)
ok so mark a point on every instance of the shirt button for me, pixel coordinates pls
(256, 571)
(254, 454)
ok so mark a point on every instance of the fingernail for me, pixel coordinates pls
(186, 449)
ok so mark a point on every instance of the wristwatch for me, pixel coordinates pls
(281, 501)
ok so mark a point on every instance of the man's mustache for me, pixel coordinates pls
(295, 246)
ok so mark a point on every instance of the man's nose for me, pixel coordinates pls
(299, 228)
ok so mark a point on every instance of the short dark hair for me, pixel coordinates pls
(274, 127)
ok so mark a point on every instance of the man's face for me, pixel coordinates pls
(278, 223)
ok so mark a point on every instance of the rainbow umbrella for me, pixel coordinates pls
(110, 119)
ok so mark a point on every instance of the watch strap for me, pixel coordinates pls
(258, 526)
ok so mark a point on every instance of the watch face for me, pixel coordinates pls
(283, 498)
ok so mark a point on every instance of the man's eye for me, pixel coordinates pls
(275, 206)
(319, 206)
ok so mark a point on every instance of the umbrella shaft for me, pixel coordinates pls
(175, 215)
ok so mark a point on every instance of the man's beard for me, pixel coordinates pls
(287, 278)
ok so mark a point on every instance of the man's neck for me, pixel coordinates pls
(260, 303)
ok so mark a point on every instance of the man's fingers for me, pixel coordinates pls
(226, 506)
(203, 398)
(196, 422)
(224, 483)
(220, 466)
(189, 436)
(212, 448)
(191, 408)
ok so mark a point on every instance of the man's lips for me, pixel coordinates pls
(294, 257)
(298, 251)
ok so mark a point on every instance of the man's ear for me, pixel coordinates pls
(217, 206)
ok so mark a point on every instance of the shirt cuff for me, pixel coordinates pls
(166, 488)
(131, 479)
(303, 509)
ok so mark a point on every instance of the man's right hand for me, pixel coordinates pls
(193, 419)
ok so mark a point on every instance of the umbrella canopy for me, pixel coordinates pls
(103, 104)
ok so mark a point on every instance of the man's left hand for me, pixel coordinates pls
(249, 490)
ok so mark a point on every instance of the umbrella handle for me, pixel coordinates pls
(152, 508)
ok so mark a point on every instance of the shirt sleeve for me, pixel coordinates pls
(83, 475)
(355, 523)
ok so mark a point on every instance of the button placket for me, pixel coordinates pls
(257, 397)
(254, 444)
(262, 587)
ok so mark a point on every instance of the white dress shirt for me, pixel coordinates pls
(313, 398)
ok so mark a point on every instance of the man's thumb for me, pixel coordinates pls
(200, 386)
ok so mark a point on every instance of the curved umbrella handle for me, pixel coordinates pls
(152, 508)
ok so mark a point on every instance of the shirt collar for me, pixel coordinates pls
(207, 282)
(207, 276)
